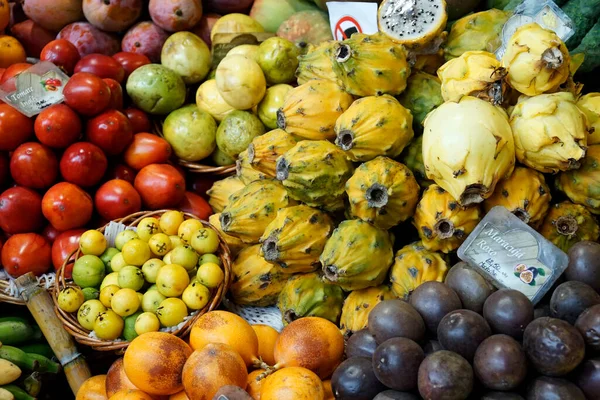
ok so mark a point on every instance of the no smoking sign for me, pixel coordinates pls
(348, 18)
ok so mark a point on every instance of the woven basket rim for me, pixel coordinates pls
(196, 167)
(7, 298)
(81, 335)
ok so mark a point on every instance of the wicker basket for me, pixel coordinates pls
(195, 167)
(7, 297)
(81, 334)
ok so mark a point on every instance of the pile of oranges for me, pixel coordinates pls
(11, 51)
(225, 355)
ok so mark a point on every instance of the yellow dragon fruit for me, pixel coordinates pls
(370, 65)
(295, 238)
(536, 59)
(567, 224)
(255, 281)
(309, 295)
(253, 208)
(581, 185)
(245, 172)
(358, 305)
(235, 245)
(441, 222)
(357, 255)
(550, 132)
(423, 93)
(316, 63)
(264, 151)
(315, 172)
(414, 265)
(221, 190)
(467, 147)
(476, 32)
(383, 192)
(412, 157)
(524, 194)
(474, 73)
(310, 110)
(374, 126)
(590, 105)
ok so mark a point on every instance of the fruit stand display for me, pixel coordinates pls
(217, 200)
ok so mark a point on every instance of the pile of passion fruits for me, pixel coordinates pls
(153, 279)
(463, 339)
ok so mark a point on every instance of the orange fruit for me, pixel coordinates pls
(293, 383)
(328, 390)
(4, 15)
(267, 337)
(11, 51)
(179, 396)
(116, 379)
(92, 388)
(154, 361)
(130, 394)
(254, 385)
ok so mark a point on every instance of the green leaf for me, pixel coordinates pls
(532, 283)
(517, 274)
(541, 272)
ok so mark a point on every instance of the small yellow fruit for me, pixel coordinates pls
(117, 262)
(170, 221)
(185, 256)
(131, 277)
(210, 275)
(136, 252)
(147, 228)
(108, 325)
(125, 302)
(160, 244)
(176, 241)
(88, 312)
(205, 241)
(70, 299)
(150, 269)
(171, 312)
(196, 296)
(209, 258)
(151, 300)
(187, 228)
(107, 294)
(172, 280)
(146, 322)
(92, 242)
(110, 279)
(124, 237)
(167, 258)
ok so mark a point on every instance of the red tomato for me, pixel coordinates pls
(4, 169)
(67, 206)
(62, 53)
(146, 149)
(116, 199)
(111, 131)
(83, 164)
(15, 128)
(64, 245)
(58, 126)
(122, 171)
(20, 210)
(13, 70)
(139, 120)
(200, 185)
(102, 66)
(34, 165)
(116, 94)
(160, 185)
(26, 252)
(50, 233)
(131, 61)
(87, 94)
(196, 205)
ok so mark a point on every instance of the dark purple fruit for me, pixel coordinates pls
(500, 363)
(395, 395)
(361, 344)
(554, 347)
(588, 324)
(354, 380)
(541, 311)
(396, 363)
(462, 331)
(546, 388)
(395, 318)
(445, 375)
(432, 346)
(584, 264)
(572, 298)
(433, 300)
(501, 396)
(470, 285)
(588, 378)
(231, 392)
(509, 312)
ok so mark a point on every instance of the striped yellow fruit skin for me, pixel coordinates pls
(358, 305)
(221, 191)
(264, 150)
(567, 223)
(316, 63)
(582, 185)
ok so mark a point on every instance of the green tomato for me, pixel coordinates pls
(88, 271)
(131, 277)
(88, 312)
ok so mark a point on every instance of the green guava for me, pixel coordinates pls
(237, 131)
(191, 133)
(278, 58)
(187, 55)
(156, 89)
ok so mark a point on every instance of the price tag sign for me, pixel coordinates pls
(347, 18)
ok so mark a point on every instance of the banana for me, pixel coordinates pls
(9, 372)
(19, 358)
(14, 330)
(6, 395)
(18, 393)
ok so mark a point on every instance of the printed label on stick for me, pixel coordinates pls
(347, 18)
